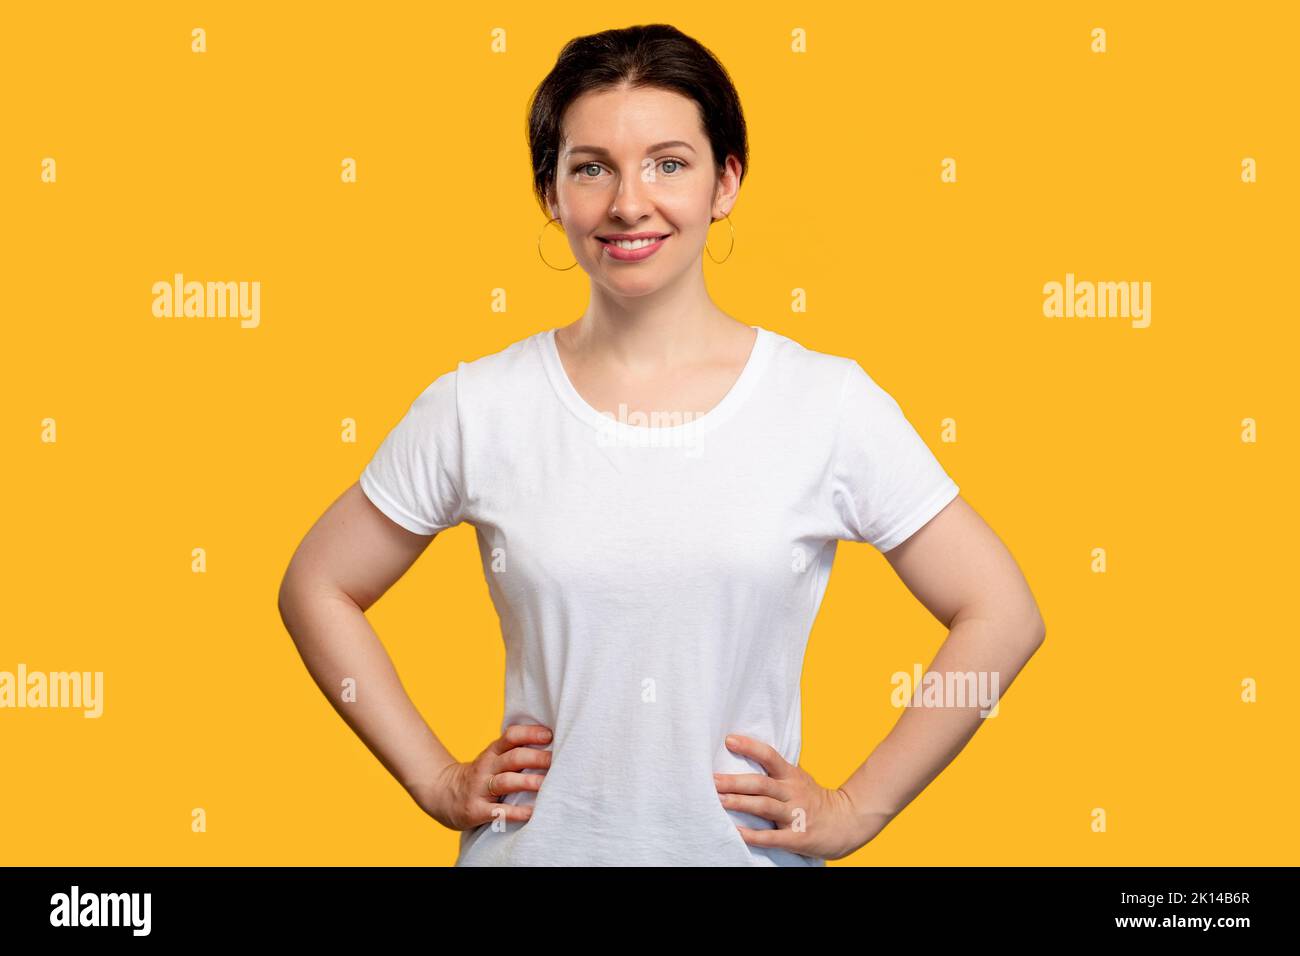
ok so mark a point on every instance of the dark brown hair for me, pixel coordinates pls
(654, 55)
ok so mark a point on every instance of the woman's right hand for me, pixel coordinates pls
(469, 794)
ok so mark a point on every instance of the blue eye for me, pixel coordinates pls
(676, 163)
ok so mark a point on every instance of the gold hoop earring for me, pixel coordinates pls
(539, 245)
(733, 240)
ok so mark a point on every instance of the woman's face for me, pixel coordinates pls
(637, 161)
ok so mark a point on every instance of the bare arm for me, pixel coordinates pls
(346, 562)
(961, 571)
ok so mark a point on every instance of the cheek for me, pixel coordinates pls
(690, 218)
(582, 206)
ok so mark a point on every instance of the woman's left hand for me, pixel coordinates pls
(810, 820)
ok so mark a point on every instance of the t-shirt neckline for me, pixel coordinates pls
(699, 424)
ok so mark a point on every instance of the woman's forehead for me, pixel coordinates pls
(647, 114)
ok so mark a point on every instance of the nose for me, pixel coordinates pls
(631, 201)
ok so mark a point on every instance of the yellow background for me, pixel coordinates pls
(1073, 434)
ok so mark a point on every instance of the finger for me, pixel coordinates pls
(769, 837)
(506, 781)
(507, 811)
(524, 757)
(772, 762)
(518, 734)
(778, 811)
(748, 783)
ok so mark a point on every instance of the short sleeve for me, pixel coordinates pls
(885, 481)
(415, 476)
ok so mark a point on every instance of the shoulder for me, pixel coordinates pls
(504, 361)
(838, 384)
(807, 368)
(497, 379)
(492, 372)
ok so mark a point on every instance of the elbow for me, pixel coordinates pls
(302, 597)
(1037, 631)
(284, 596)
(282, 601)
(286, 601)
(1020, 627)
(295, 585)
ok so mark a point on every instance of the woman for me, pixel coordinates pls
(657, 491)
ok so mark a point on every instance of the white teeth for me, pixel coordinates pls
(633, 243)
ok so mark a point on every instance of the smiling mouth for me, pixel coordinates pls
(632, 245)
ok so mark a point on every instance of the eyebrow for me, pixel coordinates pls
(601, 151)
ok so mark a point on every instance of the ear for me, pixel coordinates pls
(728, 187)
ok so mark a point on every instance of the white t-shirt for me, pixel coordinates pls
(655, 586)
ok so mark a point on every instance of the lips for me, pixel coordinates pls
(634, 237)
(616, 252)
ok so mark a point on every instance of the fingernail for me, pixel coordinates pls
(731, 741)
(546, 735)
